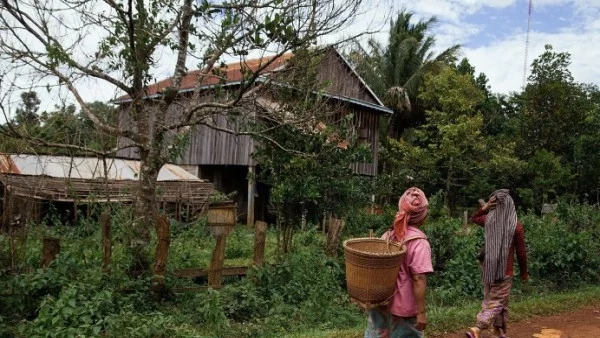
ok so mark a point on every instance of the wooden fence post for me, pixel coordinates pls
(333, 236)
(106, 240)
(50, 248)
(216, 261)
(260, 236)
(163, 239)
(221, 219)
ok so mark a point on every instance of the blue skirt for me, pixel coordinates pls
(383, 324)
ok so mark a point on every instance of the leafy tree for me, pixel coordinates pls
(450, 152)
(397, 71)
(26, 113)
(557, 121)
(548, 178)
(552, 104)
(120, 44)
(316, 176)
(586, 157)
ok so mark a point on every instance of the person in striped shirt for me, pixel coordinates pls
(504, 235)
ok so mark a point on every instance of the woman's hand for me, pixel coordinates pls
(490, 205)
(421, 321)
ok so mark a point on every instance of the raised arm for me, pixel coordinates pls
(481, 214)
(479, 217)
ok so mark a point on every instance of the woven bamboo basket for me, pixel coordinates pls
(372, 267)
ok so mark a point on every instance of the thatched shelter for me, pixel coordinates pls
(32, 184)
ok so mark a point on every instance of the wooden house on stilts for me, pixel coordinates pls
(226, 159)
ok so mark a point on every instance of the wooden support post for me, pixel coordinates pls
(106, 240)
(260, 236)
(5, 209)
(75, 218)
(50, 248)
(163, 239)
(465, 218)
(251, 187)
(370, 233)
(216, 261)
(372, 204)
(333, 236)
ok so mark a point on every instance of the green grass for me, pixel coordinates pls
(193, 248)
(454, 318)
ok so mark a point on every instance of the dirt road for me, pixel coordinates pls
(582, 323)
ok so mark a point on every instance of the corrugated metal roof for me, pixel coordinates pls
(232, 72)
(84, 168)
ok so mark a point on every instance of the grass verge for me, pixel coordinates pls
(454, 318)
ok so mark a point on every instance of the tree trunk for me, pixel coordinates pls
(288, 233)
(50, 248)
(260, 236)
(163, 239)
(394, 126)
(106, 241)
(145, 213)
(447, 196)
(333, 236)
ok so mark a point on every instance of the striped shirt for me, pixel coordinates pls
(518, 243)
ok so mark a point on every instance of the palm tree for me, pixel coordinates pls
(396, 71)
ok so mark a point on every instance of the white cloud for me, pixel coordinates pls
(452, 10)
(503, 60)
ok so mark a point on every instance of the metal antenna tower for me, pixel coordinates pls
(527, 43)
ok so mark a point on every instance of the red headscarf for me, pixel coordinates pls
(412, 210)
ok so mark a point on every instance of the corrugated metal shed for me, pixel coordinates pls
(28, 183)
(84, 168)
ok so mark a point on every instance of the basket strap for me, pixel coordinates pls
(412, 238)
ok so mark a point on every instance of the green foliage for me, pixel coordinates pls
(553, 104)
(396, 71)
(306, 287)
(212, 314)
(313, 173)
(26, 113)
(358, 222)
(454, 250)
(560, 255)
(450, 152)
(304, 291)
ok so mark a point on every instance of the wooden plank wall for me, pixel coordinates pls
(341, 80)
(367, 119)
(212, 147)
(207, 145)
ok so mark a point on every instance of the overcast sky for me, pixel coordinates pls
(492, 33)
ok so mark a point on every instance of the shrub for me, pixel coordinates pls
(560, 256)
(454, 253)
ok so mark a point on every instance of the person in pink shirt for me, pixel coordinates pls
(405, 315)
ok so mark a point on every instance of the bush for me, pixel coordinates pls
(304, 288)
(359, 222)
(559, 256)
(454, 252)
